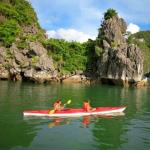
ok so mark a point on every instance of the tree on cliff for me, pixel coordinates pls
(110, 13)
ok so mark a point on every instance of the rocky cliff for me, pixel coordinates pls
(118, 62)
(22, 56)
(142, 39)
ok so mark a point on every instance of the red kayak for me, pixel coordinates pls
(75, 112)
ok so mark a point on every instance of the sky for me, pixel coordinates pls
(79, 20)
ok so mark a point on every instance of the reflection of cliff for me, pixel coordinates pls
(13, 130)
(137, 125)
(15, 134)
(26, 94)
(107, 133)
(112, 133)
(135, 99)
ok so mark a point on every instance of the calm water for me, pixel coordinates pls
(129, 132)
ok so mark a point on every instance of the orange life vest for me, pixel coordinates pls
(86, 106)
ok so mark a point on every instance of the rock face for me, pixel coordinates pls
(30, 64)
(4, 74)
(77, 78)
(22, 56)
(119, 62)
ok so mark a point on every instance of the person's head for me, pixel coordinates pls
(58, 101)
(87, 101)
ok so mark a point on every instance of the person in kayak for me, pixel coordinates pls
(87, 107)
(58, 106)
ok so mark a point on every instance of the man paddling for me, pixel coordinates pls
(87, 107)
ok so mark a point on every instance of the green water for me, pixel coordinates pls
(128, 132)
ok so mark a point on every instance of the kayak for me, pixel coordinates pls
(75, 112)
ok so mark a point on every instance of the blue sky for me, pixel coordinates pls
(80, 19)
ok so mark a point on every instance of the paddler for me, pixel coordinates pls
(87, 107)
(58, 106)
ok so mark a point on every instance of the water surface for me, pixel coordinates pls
(131, 131)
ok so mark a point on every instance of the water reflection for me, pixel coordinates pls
(131, 131)
(85, 120)
(135, 98)
(13, 134)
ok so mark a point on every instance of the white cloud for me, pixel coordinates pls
(69, 35)
(86, 15)
(133, 28)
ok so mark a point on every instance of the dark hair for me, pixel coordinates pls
(59, 100)
(87, 101)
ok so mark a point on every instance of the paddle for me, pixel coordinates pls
(52, 111)
(68, 102)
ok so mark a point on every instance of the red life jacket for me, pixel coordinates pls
(86, 106)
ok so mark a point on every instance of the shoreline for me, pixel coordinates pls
(82, 79)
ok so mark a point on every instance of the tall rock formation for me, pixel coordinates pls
(118, 62)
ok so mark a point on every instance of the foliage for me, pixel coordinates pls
(146, 54)
(17, 14)
(110, 13)
(91, 56)
(22, 44)
(8, 11)
(114, 44)
(68, 56)
(8, 32)
(145, 35)
(9, 55)
(130, 39)
(20, 10)
(7, 65)
(98, 51)
(35, 59)
(142, 40)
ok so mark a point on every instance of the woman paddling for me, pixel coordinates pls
(58, 106)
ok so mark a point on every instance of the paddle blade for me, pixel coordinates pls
(69, 101)
(51, 111)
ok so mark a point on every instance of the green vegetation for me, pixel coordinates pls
(34, 60)
(8, 32)
(145, 35)
(114, 44)
(91, 56)
(142, 40)
(22, 44)
(68, 56)
(20, 10)
(98, 51)
(110, 13)
(15, 15)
